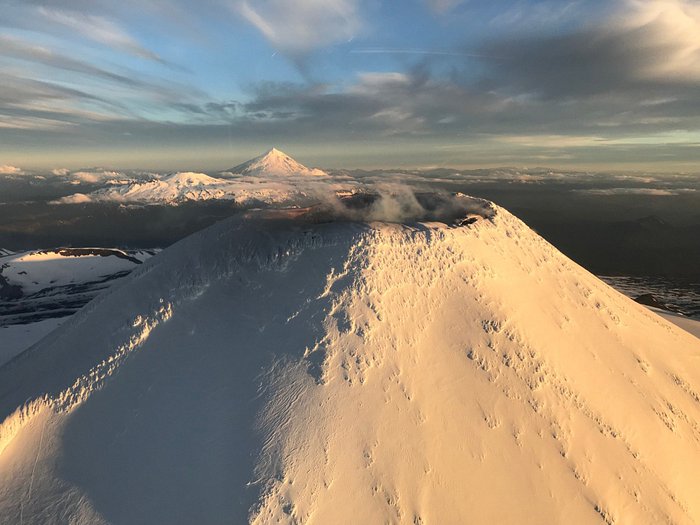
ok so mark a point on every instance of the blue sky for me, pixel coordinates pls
(351, 83)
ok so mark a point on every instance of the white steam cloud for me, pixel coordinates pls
(388, 202)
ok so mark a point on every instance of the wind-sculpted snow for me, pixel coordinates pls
(84, 385)
(309, 370)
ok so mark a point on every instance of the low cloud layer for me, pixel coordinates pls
(9, 170)
(654, 192)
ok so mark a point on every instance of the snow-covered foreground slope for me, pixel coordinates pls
(276, 371)
(16, 338)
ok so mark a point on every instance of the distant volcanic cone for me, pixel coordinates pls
(277, 164)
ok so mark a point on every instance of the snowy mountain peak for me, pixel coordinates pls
(275, 163)
(190, 179)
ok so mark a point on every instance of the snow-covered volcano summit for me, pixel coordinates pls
(285, 371)
(277, 164)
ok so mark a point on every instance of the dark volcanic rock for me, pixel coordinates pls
(648, 299)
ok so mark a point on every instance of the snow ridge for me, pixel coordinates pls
(86, 384)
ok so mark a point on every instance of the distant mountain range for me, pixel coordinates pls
(271, 178)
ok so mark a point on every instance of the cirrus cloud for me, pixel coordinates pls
(99, 29)
(299, 27)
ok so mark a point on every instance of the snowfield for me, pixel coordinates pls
(39, 288)
(277, 370)
(27, 273)
(16, 338)
(689, 325)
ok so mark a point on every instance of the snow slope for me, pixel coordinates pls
(27, 273)
(38, 288)
(286, 371)
(16, 338)
(689, 325)
(275, 163)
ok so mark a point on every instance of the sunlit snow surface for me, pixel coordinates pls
(313, 371)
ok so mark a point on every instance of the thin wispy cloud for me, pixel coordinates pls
(22, 50)
(98, 29)
(442, 6)
(417, 52)
(539, 15)
(304, 25)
